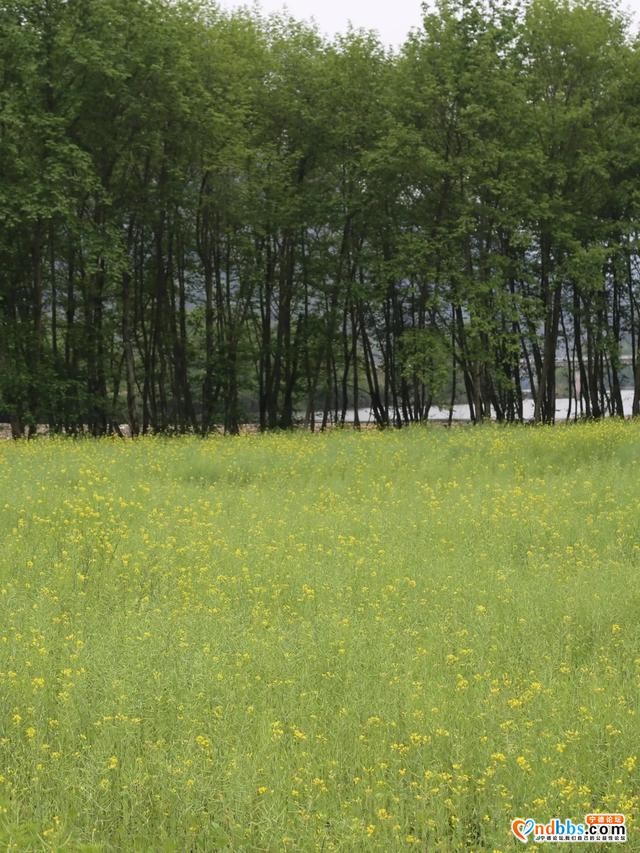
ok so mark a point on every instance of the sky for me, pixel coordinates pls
(392, 19)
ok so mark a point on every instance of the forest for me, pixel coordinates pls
(210, 219)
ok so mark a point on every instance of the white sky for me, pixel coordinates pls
(392, 19)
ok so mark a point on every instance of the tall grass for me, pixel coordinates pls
(369, 641)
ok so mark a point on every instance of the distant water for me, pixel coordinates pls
(461, 412)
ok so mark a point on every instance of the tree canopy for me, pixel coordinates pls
(208, 218)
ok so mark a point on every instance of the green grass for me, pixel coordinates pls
(370, 641)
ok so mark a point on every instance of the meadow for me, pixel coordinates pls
(377, 641)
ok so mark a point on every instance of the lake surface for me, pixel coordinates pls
(461, 411)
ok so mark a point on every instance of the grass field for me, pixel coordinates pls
(370, 641)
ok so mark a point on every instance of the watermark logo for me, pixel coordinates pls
(521, 828)
(596, 827)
